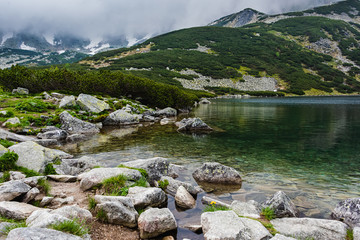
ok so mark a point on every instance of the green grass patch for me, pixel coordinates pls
(270, 227)
(91, 203)
(101, 215)
(349, 234)
(6, 143)
(214, 208)
(268, 213)
(75, 227)
(8, 161)
(142, 171)
(27, 172)
(44, 185)
(163, 184)
(113, 185)
(13, 226)
(34, 105)
(50, 170)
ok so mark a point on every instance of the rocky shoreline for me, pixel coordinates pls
(135, 195)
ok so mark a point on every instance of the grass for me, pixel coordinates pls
(163, 184)
(44, 185)
(349, 234)
(50, 170)
(13, 226)
(75, 227)
(113, 185)
(7, 161)
(101, 215)
(213, 208)
(268, 213)
(91, 204)
(5, 177)
(6, 143)
(142, 171)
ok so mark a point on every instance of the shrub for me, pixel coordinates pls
(74, 227)
(7, 161)
(34, 105)
(268, 213)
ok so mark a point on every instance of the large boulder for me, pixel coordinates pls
(348, 211)
(91, 104)
(155, 167)
(212, 172)
(12, 189)
(310, 228)
(175, 184)
(246, 209)
(67, 101)
(36, 157)
(31, 195)
(97, 175)
(21, 91)
(14, 137)
(282, 237)
(75, 167)
(33, 233)
(44, 218)
(118, 210)
(192, 125)
(257, 231)
(282, 205)
(14, 120)
(154, 222)
(223, 225)
(16, 210)
(166, 112)
(356, 233)
(55, 134)
(121, 117)
(147, 197)
(74, 125)
(184, 199)
(73, 212)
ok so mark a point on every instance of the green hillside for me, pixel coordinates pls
(256, 50)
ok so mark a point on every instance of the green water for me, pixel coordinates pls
(307, 147)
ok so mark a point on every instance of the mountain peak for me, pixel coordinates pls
(246, 16)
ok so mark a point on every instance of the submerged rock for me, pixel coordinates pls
(74, 125)
(348, 211)
(154, 222)
(282, 205)
(192, 125)
(212, 172)
(91, 104)
(310, 228)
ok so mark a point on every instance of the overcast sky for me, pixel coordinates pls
(97, 18)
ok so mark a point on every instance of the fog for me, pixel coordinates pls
(111, 18)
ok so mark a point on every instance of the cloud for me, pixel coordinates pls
(111, 18)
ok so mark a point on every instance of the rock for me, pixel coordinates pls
(97, 175)
(49, 128)
(34, 233)
(212, 172)
(175, 170)
(118, 211)
(46, 142)
(21, 91)
(281, 237)
(62, 178)
(356, 233)
(46, 96)
(56, 134)
(59, 201)
(166, 121)
(76, 138)
(192, 125)
(204, 101)
(73, 212)
(46, 201)
(167, 112)
(67, 101)
(74, 125)
(257, 231)
(184, 199)
(32, 181)
(36, 157)
(14, 137)
(282, 205)
(12, 189)
(57, 95)
(14, 175)
(121, 117)
(31, 195)
(246, 209)
(75, 167)
(16, 210)
(155, 167)
(310, 228)
(348, 211)
(14, 120)
(91, 104)
(44, 218)
(175, 184)
(211, 201)
(147, 118)
(147, 197)
(223, 225)
(193, 227)
(154, 222)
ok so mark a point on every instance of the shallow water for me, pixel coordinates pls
(307, 147)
